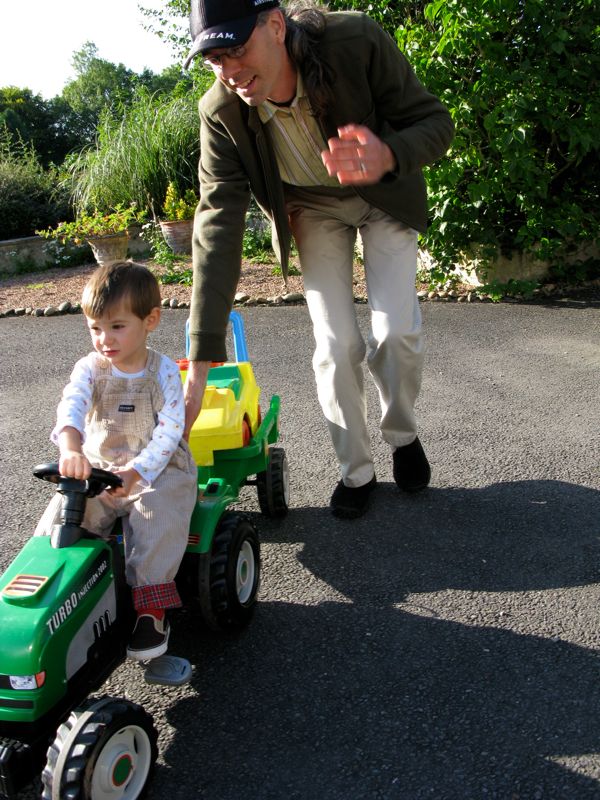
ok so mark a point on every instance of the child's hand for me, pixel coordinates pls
(73, 464)
(130, 477)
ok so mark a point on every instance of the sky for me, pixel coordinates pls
(38, 39)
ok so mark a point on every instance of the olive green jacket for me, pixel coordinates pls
(374, 86)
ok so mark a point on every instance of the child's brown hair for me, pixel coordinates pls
(121, 281)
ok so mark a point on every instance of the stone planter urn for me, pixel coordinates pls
(109, 248)
(178, 235)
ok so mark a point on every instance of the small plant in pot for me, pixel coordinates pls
(107, 233)
(178, 219)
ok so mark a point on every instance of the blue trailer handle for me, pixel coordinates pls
(239, 337)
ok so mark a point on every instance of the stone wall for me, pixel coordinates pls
(33, 253)
(476, 271)
(21, 255)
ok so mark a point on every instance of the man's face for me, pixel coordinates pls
(264, 70)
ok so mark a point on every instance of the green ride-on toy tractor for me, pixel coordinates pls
(66, 611)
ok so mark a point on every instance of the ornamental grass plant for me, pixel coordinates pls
(136, 156)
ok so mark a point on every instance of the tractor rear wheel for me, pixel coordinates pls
(230, 574)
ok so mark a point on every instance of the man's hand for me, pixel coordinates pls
(195, 383)
(357, 156)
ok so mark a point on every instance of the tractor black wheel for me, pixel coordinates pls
(230, 574)
(106, 750)
(273, 485)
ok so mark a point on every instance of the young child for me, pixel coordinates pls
(123, 410)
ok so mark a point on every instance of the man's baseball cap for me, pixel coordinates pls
(223, 23)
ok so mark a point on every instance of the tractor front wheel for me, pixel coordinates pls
(104, 751)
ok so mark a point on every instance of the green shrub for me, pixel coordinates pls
(95, 224)
(29, 198)
(178, 206)
(256, 245)
(161, 252)
(521, 81)
(178, 274)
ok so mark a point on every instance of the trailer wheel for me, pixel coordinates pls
(230, 574)
(273, 485)
(104, 751)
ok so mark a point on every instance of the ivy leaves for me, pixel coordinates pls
(521, 80)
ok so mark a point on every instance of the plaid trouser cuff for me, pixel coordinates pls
(157, 595)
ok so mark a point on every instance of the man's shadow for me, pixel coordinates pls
(426, 654)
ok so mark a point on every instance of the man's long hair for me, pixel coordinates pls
(305, 22)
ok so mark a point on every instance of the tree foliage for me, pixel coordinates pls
(101, 87)
(42, 124)
(521, 78)
(69, 121)
(390, 16)
(29, 198)
(36, 134)
(170, 23)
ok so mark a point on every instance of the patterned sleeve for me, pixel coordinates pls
(169, 429)
(76, 399)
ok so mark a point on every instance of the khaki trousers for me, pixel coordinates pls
(325, 229)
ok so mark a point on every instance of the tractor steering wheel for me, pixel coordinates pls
(99, 480)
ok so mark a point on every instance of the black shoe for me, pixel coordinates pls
(350, 502)
(149, 639)
(411, 468)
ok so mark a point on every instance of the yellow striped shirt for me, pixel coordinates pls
(297, 141)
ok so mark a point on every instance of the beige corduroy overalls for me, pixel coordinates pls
(156, 518)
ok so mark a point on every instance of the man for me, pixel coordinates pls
(323, 119)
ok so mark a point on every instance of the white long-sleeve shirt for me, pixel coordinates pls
(76, 402)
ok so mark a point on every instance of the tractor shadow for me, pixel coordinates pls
(422, 651)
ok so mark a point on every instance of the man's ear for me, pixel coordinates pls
(277, 21)
(153, 319)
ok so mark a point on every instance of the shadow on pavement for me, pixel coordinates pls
(383, 694)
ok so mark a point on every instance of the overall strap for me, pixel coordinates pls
(153, 363)
(101, 367)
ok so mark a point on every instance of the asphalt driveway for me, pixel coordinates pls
(444, 646)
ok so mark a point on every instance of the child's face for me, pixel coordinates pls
(121, 337)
